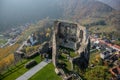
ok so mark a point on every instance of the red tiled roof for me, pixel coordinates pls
(108, 44)
(117, 46)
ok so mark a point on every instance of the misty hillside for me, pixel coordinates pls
(113, 3)
(114, 19)
(85, 8)
(19, 12)
(13, 14)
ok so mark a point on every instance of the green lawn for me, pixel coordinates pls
(66, 61)
(16, 71)
(47, 73)
(73, 54)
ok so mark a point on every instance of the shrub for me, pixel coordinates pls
(30, 64)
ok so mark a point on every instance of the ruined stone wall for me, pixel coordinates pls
(69, 35)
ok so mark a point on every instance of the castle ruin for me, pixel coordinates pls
(70, 36)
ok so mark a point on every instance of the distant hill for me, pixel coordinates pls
(114, 19)
(113, 3)
(92, 12)
(85, 8)
(78, 10)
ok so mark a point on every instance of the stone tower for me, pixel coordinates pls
(71, 35)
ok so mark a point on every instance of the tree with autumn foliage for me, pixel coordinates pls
(97, 73)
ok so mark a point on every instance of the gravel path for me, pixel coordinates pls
(34, 70)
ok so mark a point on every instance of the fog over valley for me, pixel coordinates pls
(17, 12)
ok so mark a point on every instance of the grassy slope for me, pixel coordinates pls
(32, 28)
(99, 29)
(47, 73)
(89, 20)
(16, 71)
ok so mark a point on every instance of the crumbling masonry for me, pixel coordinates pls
(73, 36)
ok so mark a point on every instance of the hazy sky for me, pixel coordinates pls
(22, 11)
